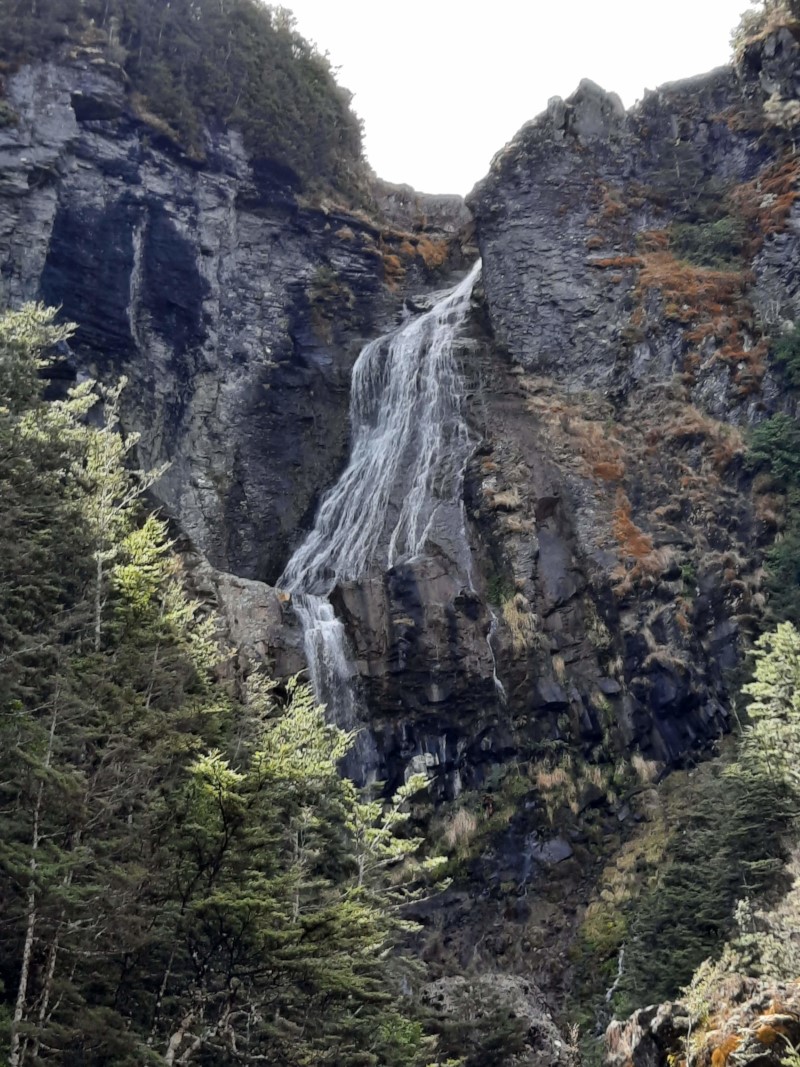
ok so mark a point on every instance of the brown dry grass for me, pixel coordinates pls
(715, 305)
(721, 1054)
(393, 269)
(633, 541)
(459, 830)
(641, 564)
(646, 770)
(612, 205)
(433, 253)
(506, 499)
(689, 290)
(653, 240)
(721, 441)
(521, 623)
(616, 262)
(766, 202)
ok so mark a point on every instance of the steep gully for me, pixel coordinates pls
(411, 444)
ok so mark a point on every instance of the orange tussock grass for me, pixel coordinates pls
(611, 208)
(609, 470)
(766, 201)
(777, 1007)
(393, 269)
(407, 249)
(594, 242)
(719, 1057)
(600, 452)
(632, 540)
(682, 622)
(714, 303)
(688, 291)
(722, 441)
(649, 563)
(653, 240)
(432, 253)
(619, 262)
(768, 1034)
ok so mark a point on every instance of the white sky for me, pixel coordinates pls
(442, 85)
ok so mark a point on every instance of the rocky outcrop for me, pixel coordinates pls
(494, 1003)
(411, 210)
(640, 349)
(235, 311)
(744, 1021)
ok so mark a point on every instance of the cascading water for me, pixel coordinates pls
(401, 489)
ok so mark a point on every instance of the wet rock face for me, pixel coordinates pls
(235, 314)
(420, 643)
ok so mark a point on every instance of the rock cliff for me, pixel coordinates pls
(235, 311)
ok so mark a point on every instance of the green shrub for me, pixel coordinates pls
(8, 117)
(775, 443)
(499, 587)
(775, 446)
(716, 856)
(787, 355)
(709, 244)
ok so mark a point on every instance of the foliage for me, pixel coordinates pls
(775, 445)
(8, 116)
(479, 1028)
(727, 842)
(718, 244)
(771, 739)
(191, 63)
(787, 354)
(331, 299)
(183, 877)
(766, 940)
(499, 588)
(762, 17)
(667, 901)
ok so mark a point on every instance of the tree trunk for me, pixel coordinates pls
(15, 1056)
(176, 1040)
(98, 601)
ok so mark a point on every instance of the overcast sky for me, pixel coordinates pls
(443, 85)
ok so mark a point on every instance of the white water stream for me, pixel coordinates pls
(401, 488)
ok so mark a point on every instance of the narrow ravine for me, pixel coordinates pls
(401, 490)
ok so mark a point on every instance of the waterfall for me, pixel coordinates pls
(401, 489)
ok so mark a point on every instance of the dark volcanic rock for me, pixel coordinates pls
(235, 313)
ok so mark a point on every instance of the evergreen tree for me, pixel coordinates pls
(197, 63)
(771, 740)
(184, 877)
